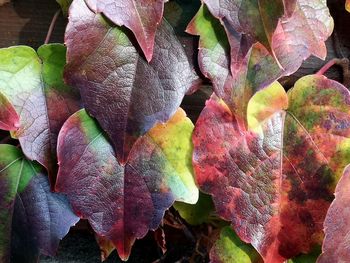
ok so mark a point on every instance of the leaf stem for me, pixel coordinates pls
(343, 63)
(52, 25)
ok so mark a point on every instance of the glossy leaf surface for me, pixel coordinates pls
(33, 83)
(228, 248)
(123, 202)
(32, 219)
(141, 16)
(336, 243)
(275, 179)
(127, 95)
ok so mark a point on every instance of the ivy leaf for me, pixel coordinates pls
(290, 31)
(335, 246)
(33, 84)
(141, 16)
(32, 219)
(274, 180)
(127, 95)
(9, 120)
(228, 248)
(258, 68)
(64, 5)
(123, 202)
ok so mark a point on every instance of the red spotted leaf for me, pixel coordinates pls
(336, 243)
(141, 16)
(32, 219)
(122, 202)
(33, 83)
(127, 95)
(9, 119)
(274, 178)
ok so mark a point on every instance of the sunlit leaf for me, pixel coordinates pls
(32, 219)
(123, 202)
(274, 180)
(33, 83)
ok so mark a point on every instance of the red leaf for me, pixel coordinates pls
(9, 120)
(141, 16)
(274, 179)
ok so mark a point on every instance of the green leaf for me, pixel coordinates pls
(65, 4)
(230, 249)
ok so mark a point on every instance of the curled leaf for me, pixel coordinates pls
(32, 219)
(274, 179)
(122, 202)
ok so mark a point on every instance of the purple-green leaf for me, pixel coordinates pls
(122, 202)
(33, 83)
(127, 95)
(32, 219)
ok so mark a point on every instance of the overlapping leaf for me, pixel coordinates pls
(123, 202)
(141, 16)
(9, 119)
(291, 30)
(274, 180)
(257, 68)
(228, 248)
(336, 243)
(127, 95)
(32, 219)
(33, 84)
(64, 5)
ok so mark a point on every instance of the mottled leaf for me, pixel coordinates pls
(141, 16)
(123, 202)
(32, 219)
(127, 95)
(274, 180)
(228, 248)
(64, 5)
(9, 119)
(196, 214)
(33, 83)
(290, 31)
(336, 243)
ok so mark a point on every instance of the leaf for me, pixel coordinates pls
(123, 202)
(196, 214)
(106, 246)
(230, 249)
(290, 31)
(309, 258)
(275, 179)
(32, 219)
(258, 69)
(9, 120)
(64, 5)
(33, 83)
(129, 95)
(141, 16)
(335, 246)
(347, 5)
